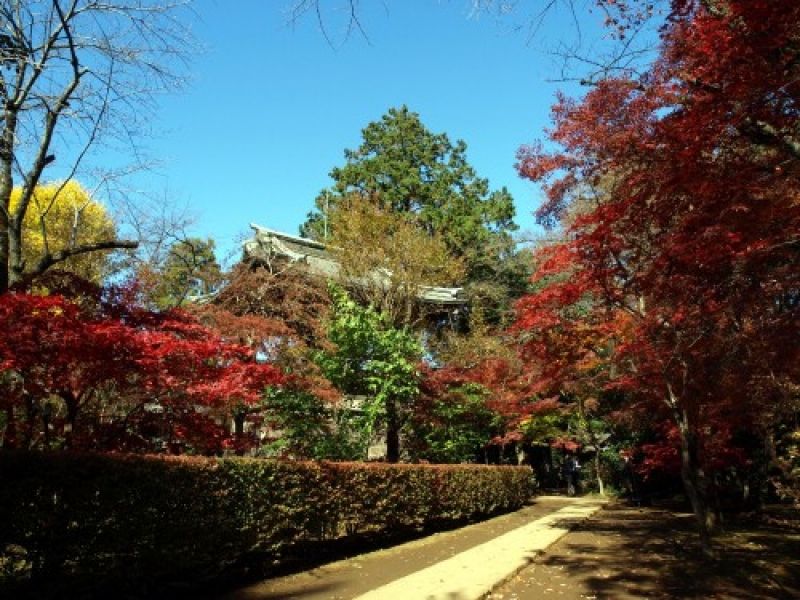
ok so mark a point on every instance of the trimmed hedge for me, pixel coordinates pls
(153, 518)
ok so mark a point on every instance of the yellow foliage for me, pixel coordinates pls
(386, 258)
(62, 216)
(481, 344)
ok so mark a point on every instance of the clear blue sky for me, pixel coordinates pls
(271, 108)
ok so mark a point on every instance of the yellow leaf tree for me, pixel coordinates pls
(62, 217)
(386, 259)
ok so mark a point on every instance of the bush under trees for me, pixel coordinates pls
(93, 520)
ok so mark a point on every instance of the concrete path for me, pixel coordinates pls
(463, 564)
(473, 573)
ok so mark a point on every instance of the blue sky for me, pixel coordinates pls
(271, 108)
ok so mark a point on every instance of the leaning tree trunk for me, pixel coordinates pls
(7, 140)
(588, 434)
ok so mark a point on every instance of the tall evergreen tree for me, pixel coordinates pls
(408, 169)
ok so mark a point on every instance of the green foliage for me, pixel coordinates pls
(190, 269)
(311, 428)
(371, 358)
(545, 427)
(453, 428)
(409, 169)
(784, 466)
(503, 278)
(98, 519)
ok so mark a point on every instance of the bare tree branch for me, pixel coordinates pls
(48, 260)
(74, 74)
(352, 19)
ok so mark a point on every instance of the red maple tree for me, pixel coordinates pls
(681, 188)
(99, 371)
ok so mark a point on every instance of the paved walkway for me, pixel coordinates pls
(463, 564)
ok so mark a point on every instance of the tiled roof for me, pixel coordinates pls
(268, 244)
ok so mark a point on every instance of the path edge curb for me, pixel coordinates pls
(602, 504)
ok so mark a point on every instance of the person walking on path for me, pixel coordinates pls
(571, 469)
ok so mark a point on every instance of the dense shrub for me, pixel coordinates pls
(89, 516)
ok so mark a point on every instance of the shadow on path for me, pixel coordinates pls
(372, 568)
(626, 552)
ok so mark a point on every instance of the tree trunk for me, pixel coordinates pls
(10, 433)
(238, 429)
(15, 262)
(693, 483)
(589, 435)
(520, 451)
(30, 422)
(72, 419)
(3, 250)
(392, 445)
(6, 185)
(600, 487)
(715, 520)
(392, 433)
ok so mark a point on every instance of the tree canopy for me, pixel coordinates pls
(406, 168)
(63, 216)
(190, 268)
(681, 273)
(93, 369)
(386, 260)
(373, 358)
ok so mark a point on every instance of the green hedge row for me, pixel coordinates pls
(167, 518)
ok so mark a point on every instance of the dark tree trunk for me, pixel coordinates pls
(72, 420)
(6, 185)
(3, 252)
(392, 433)
(10, 434)
(694, 484)
(30, 422)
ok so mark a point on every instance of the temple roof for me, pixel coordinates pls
(268, 244)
